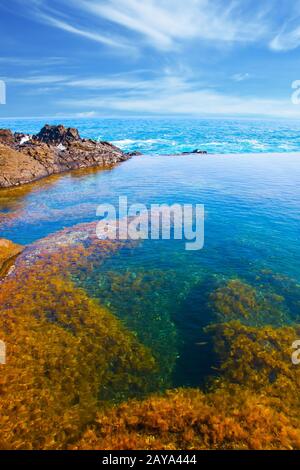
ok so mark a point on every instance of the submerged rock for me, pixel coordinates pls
(134, 154)
(196, 151)
(54, 149)
(8, 250)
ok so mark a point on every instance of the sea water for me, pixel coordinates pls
(168, 136)
(158, 289)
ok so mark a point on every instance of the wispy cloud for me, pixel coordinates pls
(29, 61)
(86, 114)
(134, 83)
(38, 80)
(108, 83)
(165, 22)
(197, 103)
(169, 24)
(179, 95)
(94, 36)
(173, 38)
(240, 77)
(286, 40)
(54, 14)
(287, 36)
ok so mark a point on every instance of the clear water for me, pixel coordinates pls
(159, 289)
(169, 136)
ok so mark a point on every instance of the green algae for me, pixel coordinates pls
(140, 300)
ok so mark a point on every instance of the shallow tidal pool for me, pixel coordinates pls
(248, 269)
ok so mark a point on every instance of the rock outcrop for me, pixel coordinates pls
(18, 168)
(56, 135)
(54, 149)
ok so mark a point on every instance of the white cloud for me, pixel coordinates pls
(45, 12)
(86, 114)
(164, 22)
(115, 82)
(180, 95)
(286, 36)
(38, 80)
(132, 83)
(240, 77)
(94, 36)
(169, 24)
(286, 40)
(166, 25)
(29, 61)
(204, 102)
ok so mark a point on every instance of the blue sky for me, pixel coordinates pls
(87, 58)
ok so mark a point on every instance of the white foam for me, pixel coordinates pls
(139, 142)
(24, 139)
(61, 147)
(256, 144)
(124, 142)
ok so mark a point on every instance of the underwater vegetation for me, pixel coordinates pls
(252, 404)
(284, 287)
(258, 358)
(141, 300)
(237, 300)
(90, 354)
(215, 300)
(266, 299)
(66, 355)
(187, 419)
(153, 303)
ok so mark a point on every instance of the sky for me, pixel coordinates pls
(106, 58)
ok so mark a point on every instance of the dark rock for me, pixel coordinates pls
(134, 154)
(55, 135)
(197, 151)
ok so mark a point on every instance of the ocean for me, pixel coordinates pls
(169, 136)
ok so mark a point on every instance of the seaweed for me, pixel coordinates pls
(66, 356)
(188, 419)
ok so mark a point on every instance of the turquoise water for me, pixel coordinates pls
(158, 289)
(169, 136)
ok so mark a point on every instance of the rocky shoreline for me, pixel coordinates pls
(55, 149)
